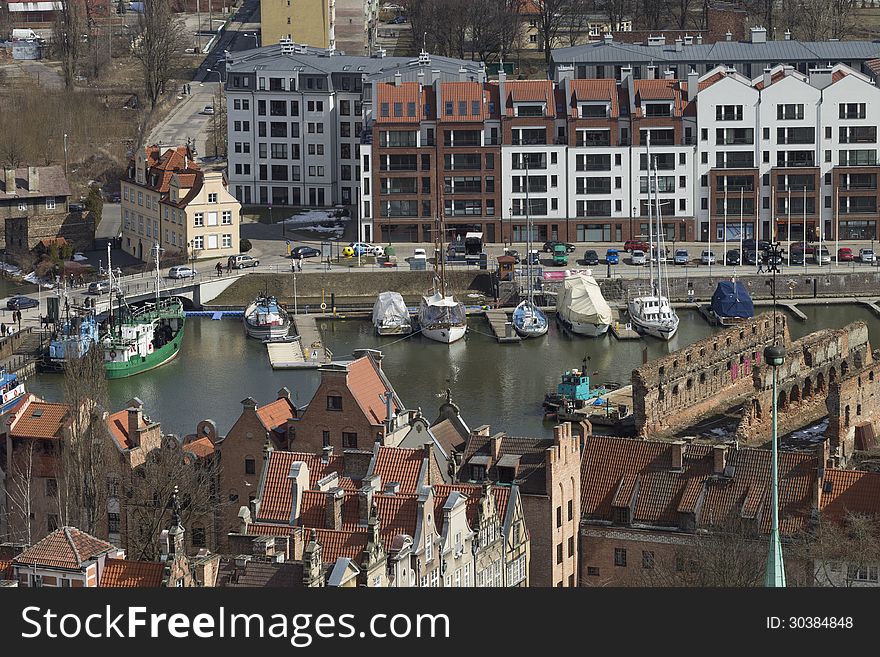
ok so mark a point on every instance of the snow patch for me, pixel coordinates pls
(314, 217)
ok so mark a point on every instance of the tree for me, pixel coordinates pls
(818, 20)
(550, 19)
(577, 22)
(839, 553)
(19, 491)
(84, 456)
(148, 498)
(69, 26)
(157, 41)
(95, 202)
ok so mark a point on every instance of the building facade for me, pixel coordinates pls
(303, 21)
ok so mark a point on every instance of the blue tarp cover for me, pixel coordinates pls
(731, 299)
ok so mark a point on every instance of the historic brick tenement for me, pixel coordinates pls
(811, 365)
(853, 412)
(709, 376)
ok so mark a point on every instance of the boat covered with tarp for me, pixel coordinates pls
(581, 308)
(390, 315)
(732, 303)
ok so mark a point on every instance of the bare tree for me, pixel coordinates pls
(147, 500)
(84, 455)
(575, 27)
(550, 19)
(19, 491)
(615, 10)
(158, 39)
(839, 553)
(69, 26)
(818, 20)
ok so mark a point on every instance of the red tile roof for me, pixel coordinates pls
(368, 389)
(400, 465)
(594, 90)
(122, 573)
(118, 425)
(337, 544)
(774, 78)
(276, 414)
(472, 492)
(201, 448)
(408, 92)
(850, 491)
(275, 503)
(66, 547)
(161, 168)
(654, 90)
(712, 79)
(530, 91)
(837, 76)
(873, 66)
(38, 419)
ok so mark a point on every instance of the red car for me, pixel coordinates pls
(636, 245)
(845, 254)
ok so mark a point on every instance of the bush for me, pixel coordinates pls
(245, 245)
(95, 202)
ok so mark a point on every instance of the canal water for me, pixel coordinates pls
(495, 384)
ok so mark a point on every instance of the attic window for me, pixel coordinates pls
(827, 486)
(478, 472)
(506, 475)
(621, 515)
(38, 412)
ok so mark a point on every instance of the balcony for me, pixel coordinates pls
(528, 141)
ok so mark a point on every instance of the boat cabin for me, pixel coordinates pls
(575, 385)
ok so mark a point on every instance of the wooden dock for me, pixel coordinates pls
(623, 331)
(501, 326)
(303, 351)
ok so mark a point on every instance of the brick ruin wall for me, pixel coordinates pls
(812, 365)
(853, 413)
(703, 379)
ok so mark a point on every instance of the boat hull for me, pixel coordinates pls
(660, 331)
(529, 321)
(267, 332)
(394, 330)
(139, 364)
(445, 334)
(580, 328)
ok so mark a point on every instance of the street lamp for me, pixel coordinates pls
(254, 37)
(220, 105)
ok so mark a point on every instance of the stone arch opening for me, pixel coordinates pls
(781, 401)
(820, 382)
(832, 375)
(846, 417)
(756, 408)
(857, 360)
(808, 387)
(844, 368)
(795, 396)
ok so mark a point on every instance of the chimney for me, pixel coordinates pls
(652, 72)
(728, 36)
(495, 442)
(380, 53)
(678, 44)
(787, 35)
(688, 40)
(333, 500)
(299, 482)
(656, 40)
(564, 73)
(9, 179)
(389, 407)
(787, 70)
(462, 74)
(438, 95)
(626, 77)
(758, 34)
(677, 454)
(249, 404)
(693, 84)
(33, 179)
(135, 415)
(699, 40)
(284, 393)
(326, 453)
(365, 503)
(391, 488)
(719, 459)
(668, 74)
(607, 38)
(397, 79)
(768, 77)
(427, 450)
(502, 97)
(820, 77)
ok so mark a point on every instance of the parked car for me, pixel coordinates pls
(208, 109)
(636, 245)
(682, 257)
(181, 271)
(419, 254)
(241, 261)
(845, 254)
(75, 207)
(866, 255)
(795, 256)
(591, 257)
(550, 247)
(560, 255)
(19, 302)
(732, 257)
(304, 252)
(750, 256)
(612, 257)
(664, 254)
(707, 257)
(637, 257)
(397, 20)
(99, 287)
(822, 256)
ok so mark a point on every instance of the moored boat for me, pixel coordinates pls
(11, 391)
(529, 320)
(442, 318)
(72, 339)
(390, 315)
(731, 303)
(581, 308)
(572, 392)
(265, 318)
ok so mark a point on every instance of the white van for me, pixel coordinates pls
(22, 34)
(419, 254)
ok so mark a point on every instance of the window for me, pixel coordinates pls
(559, 516)
(334, 403)
(113, 523)
(51, 487)
(620, 557)
(571, 509)
(227, 241)
(478, 473)
(212, 198)
(198, 536)
(429, 548)
(250, 465)
(559, 553)
(50, 203)
(790, 111)
(648, 559)
(198, 219)
(571, 546)
(349, 439)
(113, 486)
(852, 110)
(592, 571)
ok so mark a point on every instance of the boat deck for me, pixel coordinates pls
(614, 411)
(502, 327)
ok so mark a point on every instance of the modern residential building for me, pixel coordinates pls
(167, 198)
(34, 207)
(296, 115)
(607, 58)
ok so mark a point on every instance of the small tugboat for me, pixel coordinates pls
(731, 303)
(10, 391)
(266, 319)
(573, 392)
(390, 315)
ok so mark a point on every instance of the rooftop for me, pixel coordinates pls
(122, 573)
(36, 418)
(66, 547)
(50, 182)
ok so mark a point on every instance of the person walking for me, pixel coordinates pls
(219, 269)
(760, 263)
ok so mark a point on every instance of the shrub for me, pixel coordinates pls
(245, 245)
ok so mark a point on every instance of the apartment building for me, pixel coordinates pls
(296, 117)
(303, 21)
(607, 58)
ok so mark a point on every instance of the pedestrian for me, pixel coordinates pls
(18, 313)
(228, 267)
(760, 264)
(219, 269)
(299, 264)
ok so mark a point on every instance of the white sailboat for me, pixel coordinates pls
(528, 320)
(441, 317)
(652, 314)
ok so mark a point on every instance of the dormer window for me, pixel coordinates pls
(529, 110)
(621, 515)
(478, 473)
(594, 111)
(658, 109)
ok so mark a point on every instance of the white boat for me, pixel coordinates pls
(581, 308)
(528, 320)
(442, 318)
(390, 315)
(266, 319)
(652, 314)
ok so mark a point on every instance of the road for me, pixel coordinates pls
(187, 120)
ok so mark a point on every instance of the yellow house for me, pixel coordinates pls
(200, 217)
(310, 22)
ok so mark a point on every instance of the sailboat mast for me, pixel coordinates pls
(659, 233)
(650, 216)
(157, 274)
(110, 292)
(528, 235)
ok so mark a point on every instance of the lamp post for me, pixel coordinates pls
(219, 106)
(774, 356)
(254, 37)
